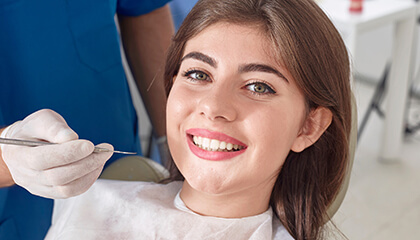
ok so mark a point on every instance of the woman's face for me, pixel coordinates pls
(233, 113)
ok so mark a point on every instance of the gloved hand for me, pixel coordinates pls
(61, 170)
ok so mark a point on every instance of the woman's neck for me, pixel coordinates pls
(245, 203)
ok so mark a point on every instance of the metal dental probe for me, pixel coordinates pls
(30, 143)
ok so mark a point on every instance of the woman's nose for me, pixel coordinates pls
(218, 103)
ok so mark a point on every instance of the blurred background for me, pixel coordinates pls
(383, 199)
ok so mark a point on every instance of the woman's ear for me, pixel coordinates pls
(314, 126)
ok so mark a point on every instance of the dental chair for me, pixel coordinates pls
(137, 168)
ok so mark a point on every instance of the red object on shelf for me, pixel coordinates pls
(356, 6)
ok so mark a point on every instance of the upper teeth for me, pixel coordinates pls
(214, 145)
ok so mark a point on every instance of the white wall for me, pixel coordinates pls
(374, 51)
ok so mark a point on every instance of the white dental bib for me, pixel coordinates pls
(140, 210)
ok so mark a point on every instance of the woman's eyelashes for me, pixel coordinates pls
(258, 88)
(196, 75)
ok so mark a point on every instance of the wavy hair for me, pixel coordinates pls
(310, 47)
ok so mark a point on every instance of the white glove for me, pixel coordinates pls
(61, 170)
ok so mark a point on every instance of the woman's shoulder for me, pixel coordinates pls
(110, 206)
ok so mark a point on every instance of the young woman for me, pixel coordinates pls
(258, 122)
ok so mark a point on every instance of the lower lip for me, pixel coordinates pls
(212, 155)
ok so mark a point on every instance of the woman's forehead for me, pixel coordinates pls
(240, 39)
(223, 34)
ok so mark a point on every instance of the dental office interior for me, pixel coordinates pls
(383, 38)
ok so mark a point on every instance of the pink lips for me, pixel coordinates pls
(213, 155)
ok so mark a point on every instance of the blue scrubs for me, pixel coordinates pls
(180, 9)
(63, 55)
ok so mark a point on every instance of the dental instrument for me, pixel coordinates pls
(30, 143)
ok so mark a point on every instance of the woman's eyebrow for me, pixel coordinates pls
(201, 57)
(255, 67)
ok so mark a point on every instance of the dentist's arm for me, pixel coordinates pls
(146, 39)
(61, 170)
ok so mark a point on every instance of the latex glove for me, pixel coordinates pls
(54, 171)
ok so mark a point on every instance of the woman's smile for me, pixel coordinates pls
(215, 145)
(211, 145)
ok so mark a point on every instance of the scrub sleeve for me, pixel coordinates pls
(63, 55)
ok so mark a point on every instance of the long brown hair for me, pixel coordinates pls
(307, 43)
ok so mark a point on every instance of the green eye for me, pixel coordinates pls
(199, 76)
(195, 75)
(259, 88)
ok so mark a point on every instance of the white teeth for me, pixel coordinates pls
(229, 146)
(206, 143)
(222, 145)
(214, 145)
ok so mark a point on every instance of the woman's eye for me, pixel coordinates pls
(260, 88)
(197, 75)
